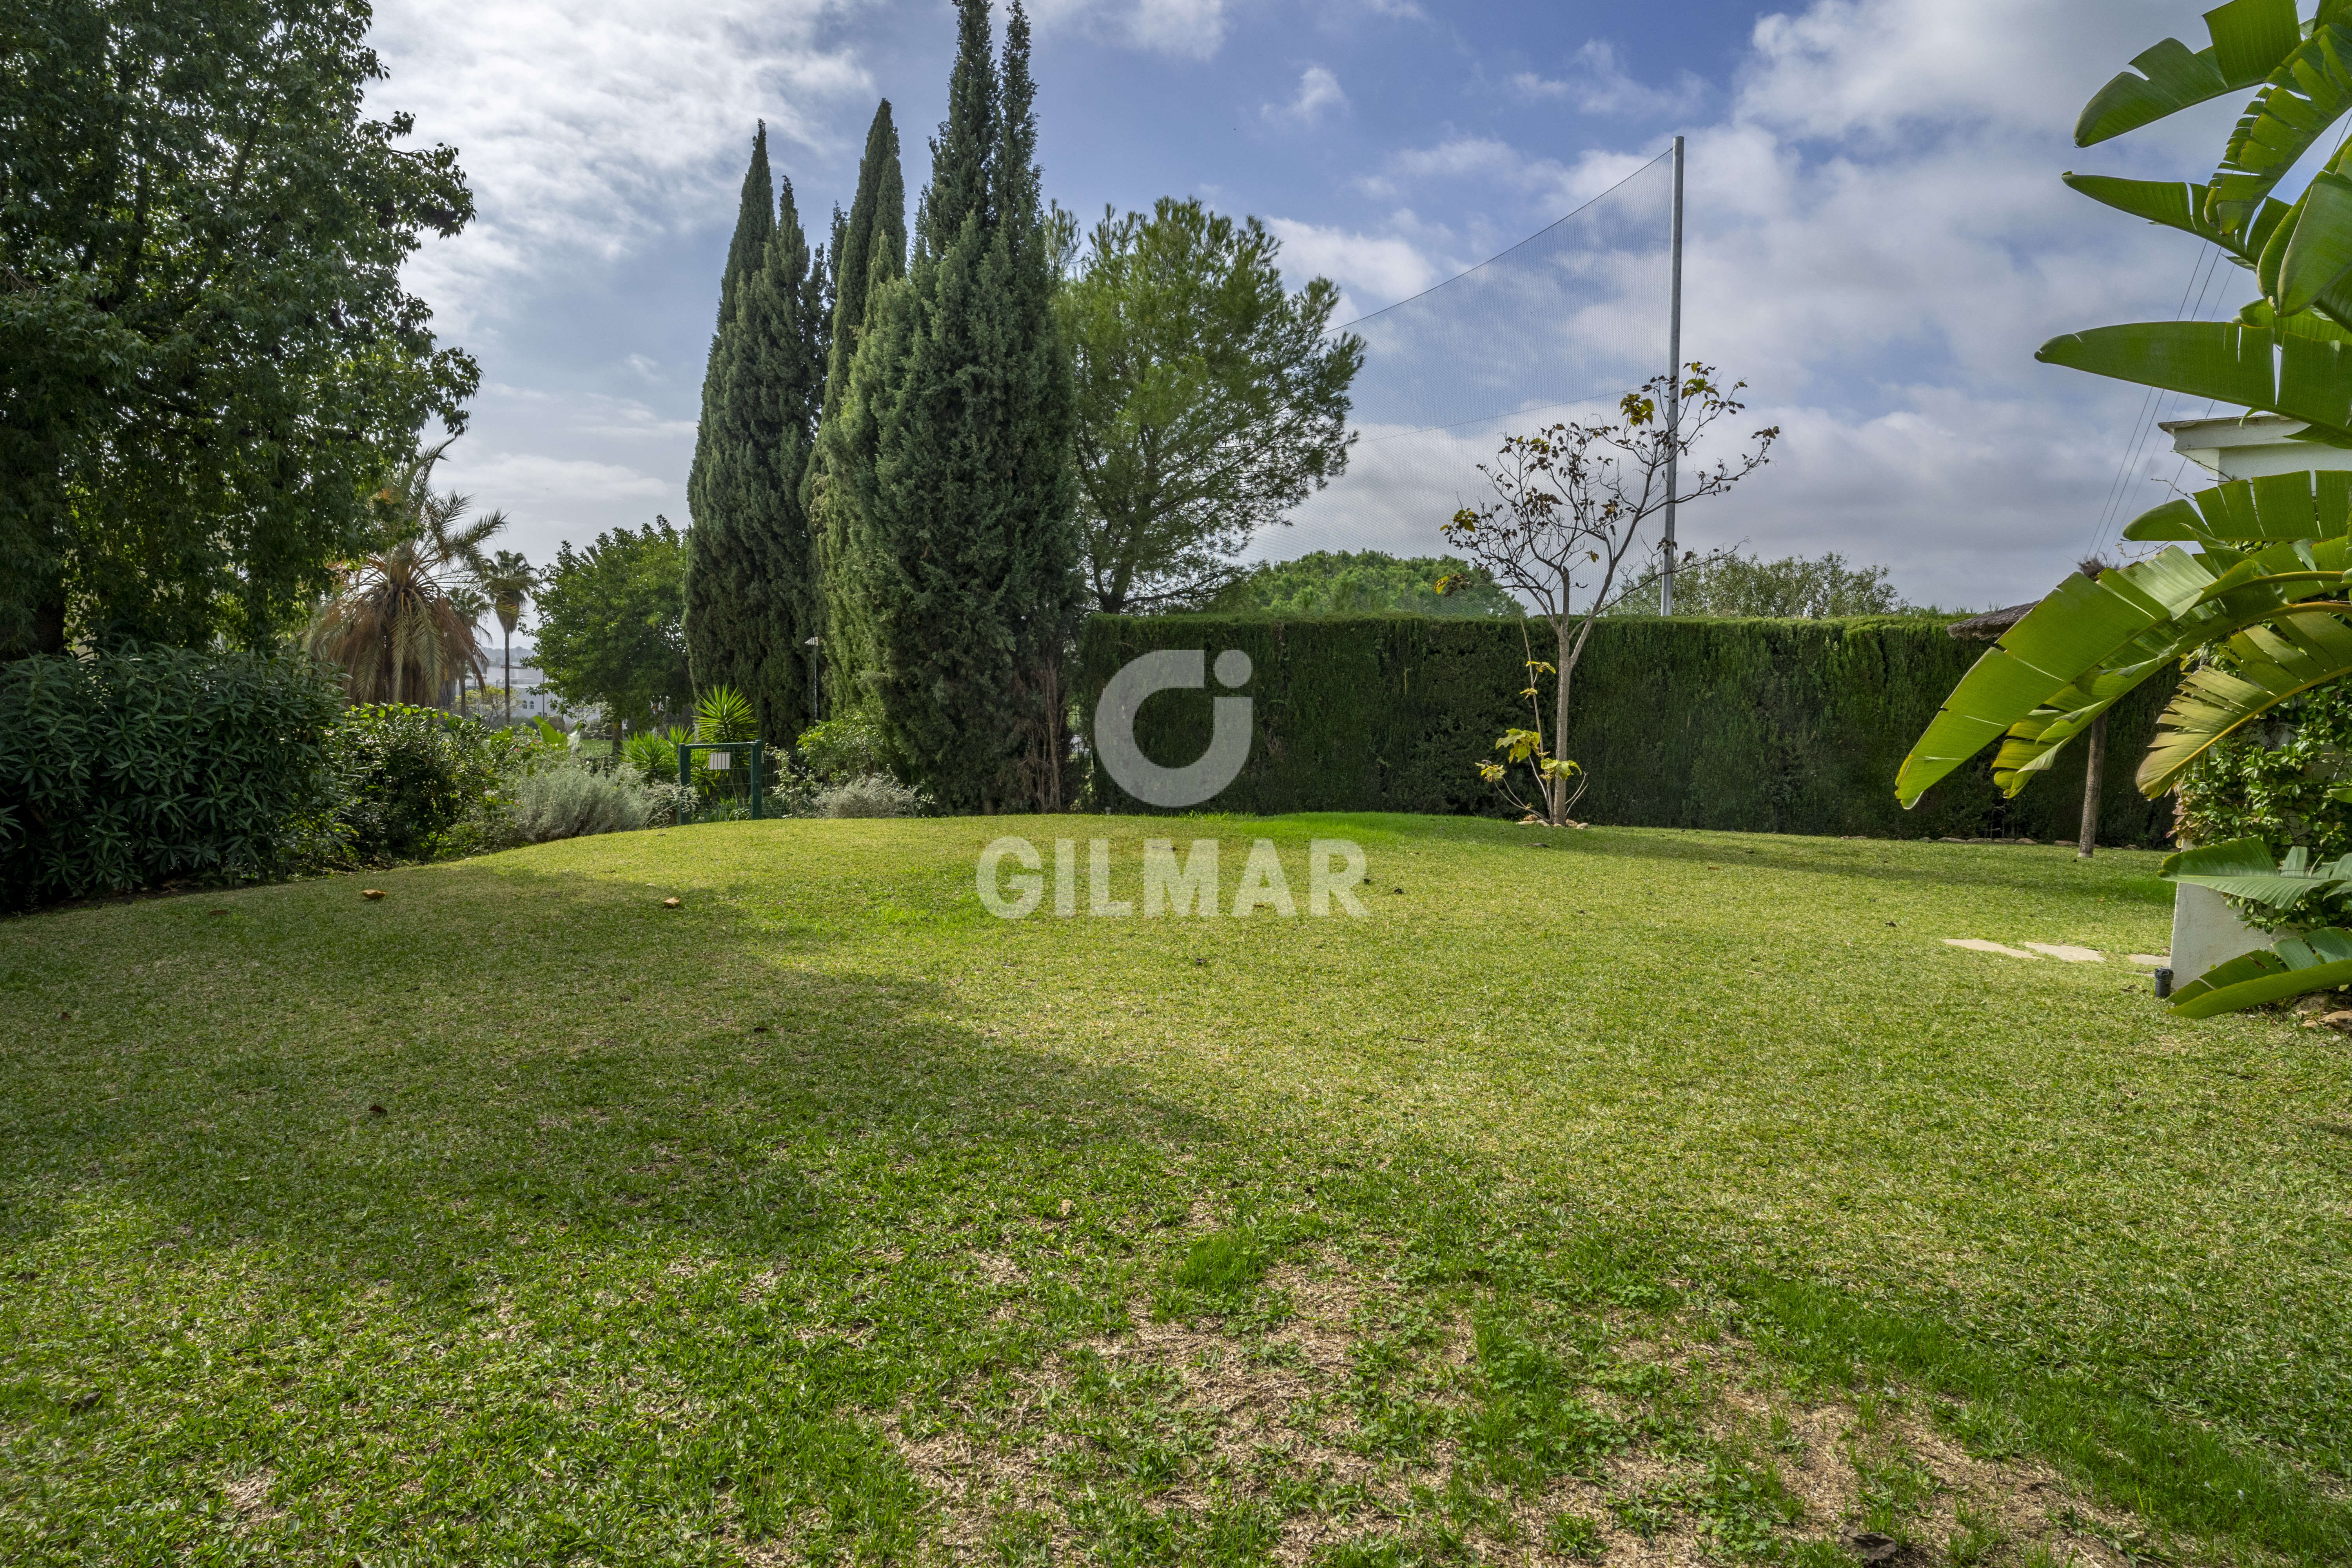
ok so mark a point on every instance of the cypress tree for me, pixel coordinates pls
(870, 247)
(956, 551)
(751, 587)
(869, 250)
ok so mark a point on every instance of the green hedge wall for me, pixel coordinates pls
(1775, 726)
(120, 771)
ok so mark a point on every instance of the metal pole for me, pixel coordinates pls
(1674, 381)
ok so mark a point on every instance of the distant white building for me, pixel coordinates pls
(533, 699)
(2250, 447)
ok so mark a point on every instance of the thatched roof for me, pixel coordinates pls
(1988, 625)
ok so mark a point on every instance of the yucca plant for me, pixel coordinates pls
(723, 713)
(2258, 607)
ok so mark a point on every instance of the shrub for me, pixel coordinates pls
(416, 782)
(121, 771)
(569, 802)
(846, 746)
(874, 794)
(652, 754)
(2282, 781)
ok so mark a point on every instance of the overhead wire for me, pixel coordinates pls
(2144, 422)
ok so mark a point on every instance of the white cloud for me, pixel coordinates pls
(1598, 83)
(1548, 186)
(1186, 29)
(1877, 240)
(591, 130)
(1319, 90)
(1377, 268)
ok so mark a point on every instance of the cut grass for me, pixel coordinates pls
(517, 1217)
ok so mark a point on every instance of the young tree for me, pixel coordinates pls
(1339, 582)
(752, 596)
(956, 568)
(1207, 401)
(1571, 503)
(609, 631)
(206, 354)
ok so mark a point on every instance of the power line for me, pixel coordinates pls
(2144, 422)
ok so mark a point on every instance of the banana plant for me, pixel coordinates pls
(2252, 596)
(2262, 601)
(2315, 959)
(2285, 360)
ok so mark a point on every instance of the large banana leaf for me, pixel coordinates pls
(2316, 960)
(2305, 93)
(2299, 377)
(2318, 252)
(2329, 328)
(2249, 38)
(2075, 629)
(2271, 544)
(2176, 203)
(2244, 868)
(2296, 649)
(2315, 504)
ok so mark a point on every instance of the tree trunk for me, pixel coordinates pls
(509, 675)
(2094, 772)
(1557, 792)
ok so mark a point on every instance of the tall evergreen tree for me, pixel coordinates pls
(869, 249)
(750, 576)
(956, 548)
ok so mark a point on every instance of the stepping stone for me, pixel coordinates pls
(2071, 954)
(2152, 960)
(1976, 944)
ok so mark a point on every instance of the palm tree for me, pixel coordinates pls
(471, 603)
(392, 623)
(508, 582)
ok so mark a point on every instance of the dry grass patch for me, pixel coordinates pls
(1357, 1430)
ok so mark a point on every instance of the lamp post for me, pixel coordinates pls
(811, 646)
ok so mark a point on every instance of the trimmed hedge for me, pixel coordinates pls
(1761, 725)
(121, 771)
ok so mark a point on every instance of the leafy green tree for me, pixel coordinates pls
(1794, 587)
(206, 355)
(1208, 400)
(1340, 582)
(953, 554)
(609, 624)
(752, 596)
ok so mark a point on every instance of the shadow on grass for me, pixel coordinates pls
(630, 1071)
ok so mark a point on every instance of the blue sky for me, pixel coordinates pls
(1877, 234)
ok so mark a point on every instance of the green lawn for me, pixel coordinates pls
(1638, 1194)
